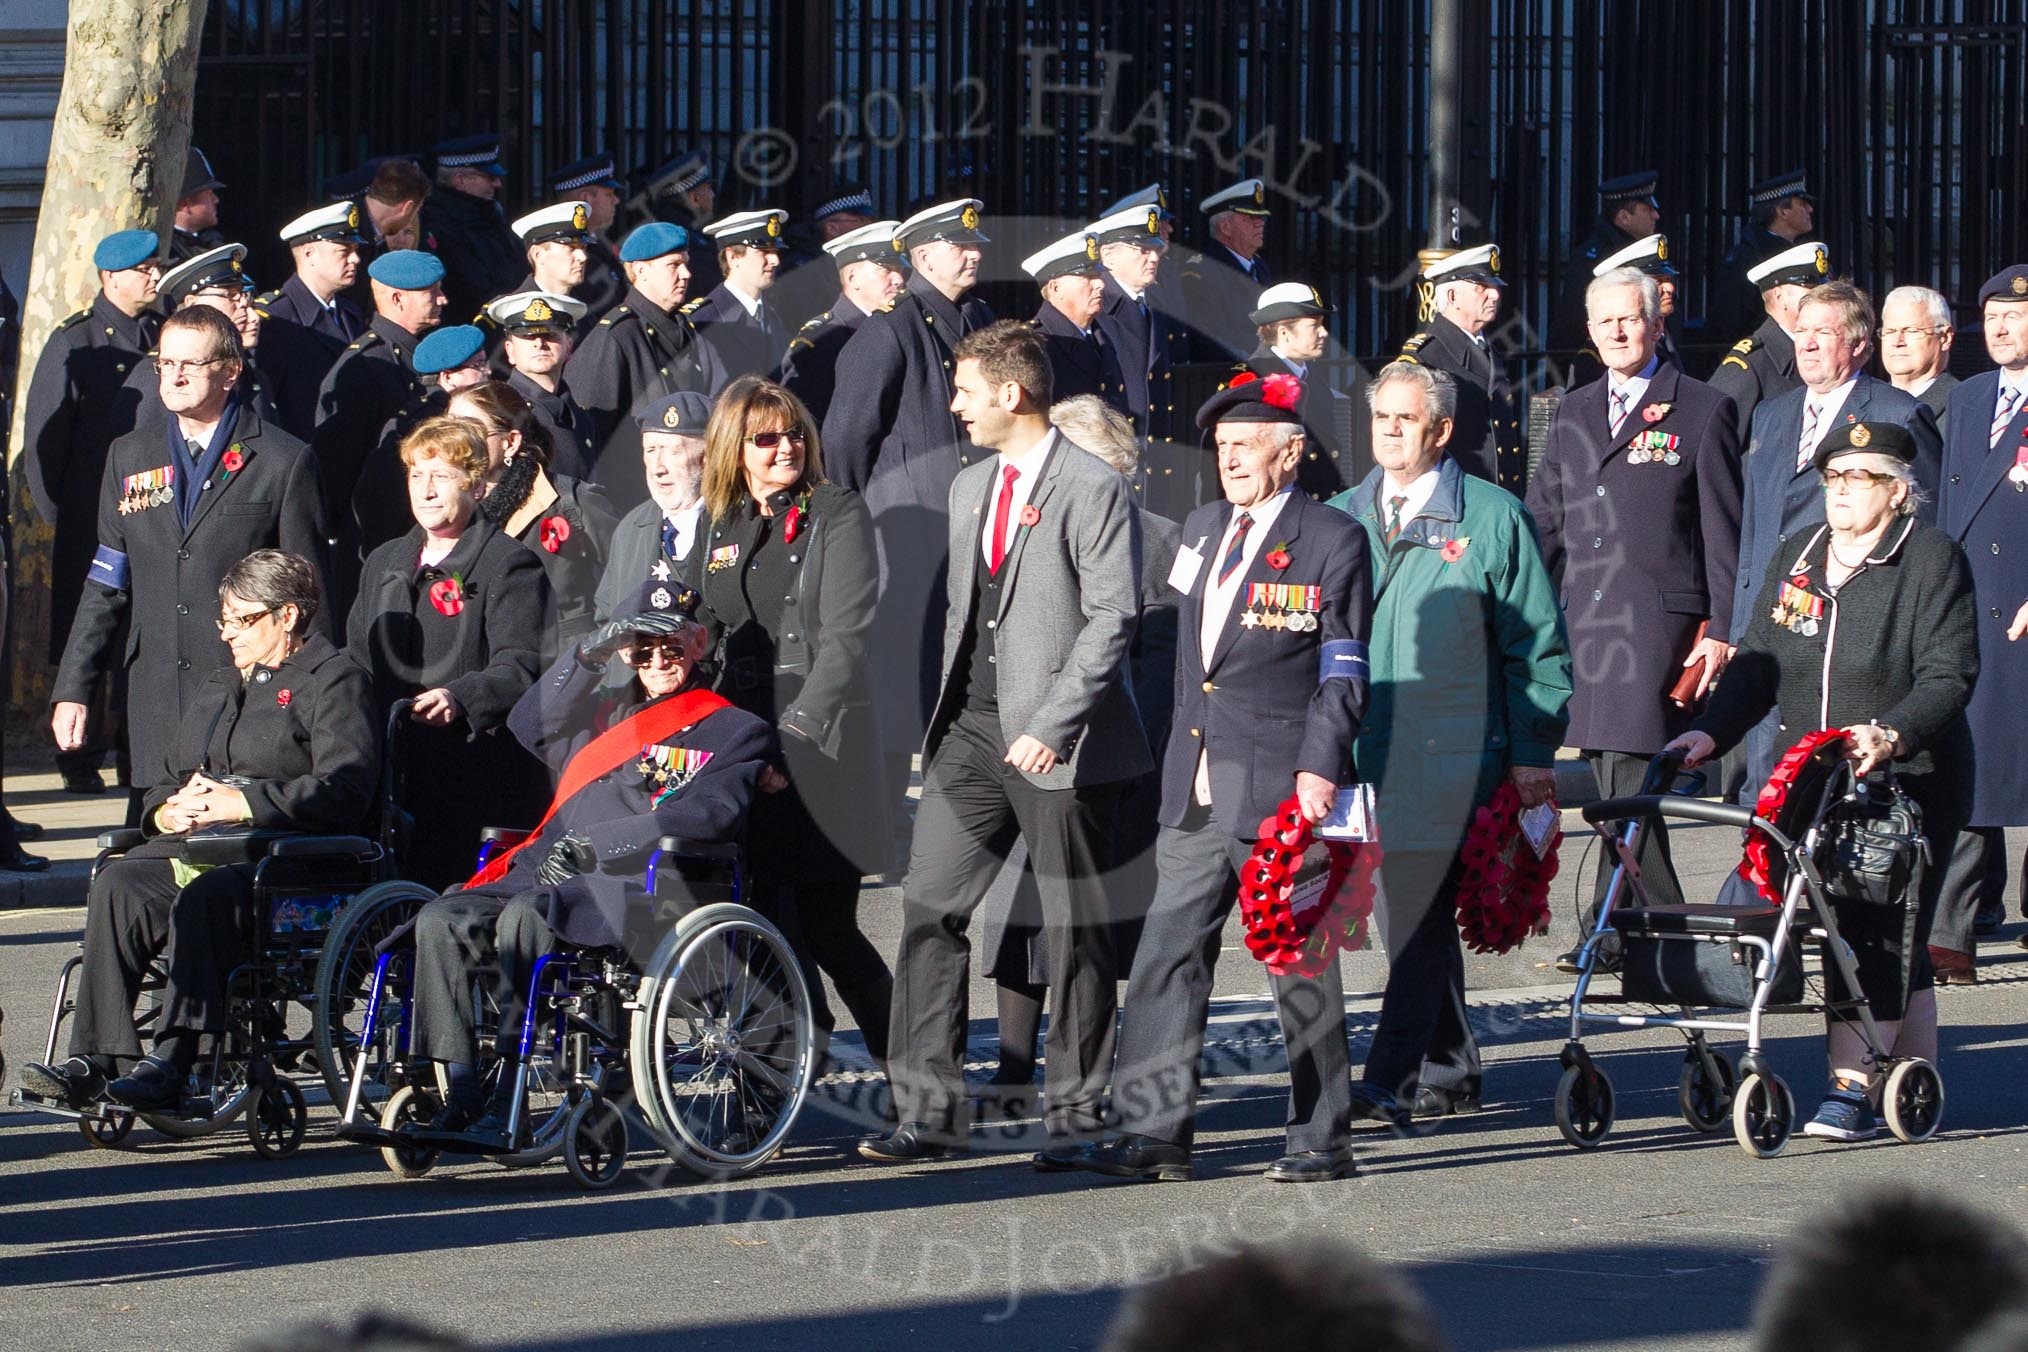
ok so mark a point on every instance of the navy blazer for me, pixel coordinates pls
(1779, 502)
(1271, 702)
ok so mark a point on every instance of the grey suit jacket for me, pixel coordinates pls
(1067, 614)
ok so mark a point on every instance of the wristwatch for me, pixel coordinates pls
(1893, 737)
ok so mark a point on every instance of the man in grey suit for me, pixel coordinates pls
(1034, 736)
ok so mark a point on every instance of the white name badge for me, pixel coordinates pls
(1351, 816)
(1183, 573)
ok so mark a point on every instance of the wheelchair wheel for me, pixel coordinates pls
(1584, 1106)
(722, 1046)
(277, 1119)
(345, 978)
(109, 1130)
(410, 1103)
(595, 1142)
(1913, 1100)
(1763, 1115)
(230, 1094)
(1705, 1102)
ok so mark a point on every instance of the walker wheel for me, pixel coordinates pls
(1763, 1115)
(109, 1129)
(595, 1142)
(1584, 1106)
(410, 1103)
(1914, 1100)
(278, 1119)
(1706, 1103)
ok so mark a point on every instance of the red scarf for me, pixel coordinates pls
(608, 751)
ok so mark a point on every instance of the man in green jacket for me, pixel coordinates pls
(1470, 676)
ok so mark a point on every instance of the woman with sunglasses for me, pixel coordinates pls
(566, 523)
(789, 581)
(1867, 626)
(280, 740)
(451, 616)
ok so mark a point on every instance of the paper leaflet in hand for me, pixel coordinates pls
(1352, 816)
(1538, 826)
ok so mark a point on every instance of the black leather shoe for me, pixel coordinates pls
(1313, 1166)
(1371, 1103)
(1059, 1159)
(906, 1144)
(1141, 1157)
(152, 1086)
(1433, 1102)
(76, 1083)
(83, 781)
(1984, 925)
(18, 860)
(26, 830)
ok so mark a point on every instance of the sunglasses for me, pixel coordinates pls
(1856, 478)
(670, 648)
(767, 441)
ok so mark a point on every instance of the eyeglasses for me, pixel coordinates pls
(670, 649)
(177, 368)
(767, 441)
(239, 624)
(1889, 335)
(1855, 478)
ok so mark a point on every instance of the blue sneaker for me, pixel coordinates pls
(1844, 1116)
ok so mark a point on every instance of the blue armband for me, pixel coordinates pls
(1342, 659)
(111, 569)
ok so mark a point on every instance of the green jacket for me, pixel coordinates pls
(1471, 668)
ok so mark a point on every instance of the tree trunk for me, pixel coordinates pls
(115, 163)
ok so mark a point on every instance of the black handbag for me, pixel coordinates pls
(1871, 850)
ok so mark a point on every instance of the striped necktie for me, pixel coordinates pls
(1619, 410)
(1394, 506)
(1807, 447)
(1236, 551)
(2010, 404)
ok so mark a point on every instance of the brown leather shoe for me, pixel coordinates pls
(1952, 967)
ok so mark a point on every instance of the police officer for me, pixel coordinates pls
(1222, 281)
(1763, 364)
(309, 320)
(897, 443)
(448, 360)
(1081, 360)
(196, 224)
(1138, 315)
(800, 291)
(1337, 453)
(643, 348)
(1627, 213)
(184, 498)
(372, 380)
(1782, 214)
(536, 330)
(870, 275)
(735, 317)
(482, 257)
(76, 407)
(558, 259)
(1486, 437)
(684, 192)
(594, 181)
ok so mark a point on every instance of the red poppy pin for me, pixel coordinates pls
(1278, 557)
(1454, 548)
(1030, 514)
(447, 596)
(792, 525)
(1654, 413)
(233, 460)
(553, 531)
(282, 698)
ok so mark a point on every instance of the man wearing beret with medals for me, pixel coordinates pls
(1271, 688)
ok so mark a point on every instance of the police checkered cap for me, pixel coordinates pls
(1638, 186)
(592, 171)
(1790, 184)
(855, 199)
(480, 152)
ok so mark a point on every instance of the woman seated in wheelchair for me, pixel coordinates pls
(281, 740)
(666, 760)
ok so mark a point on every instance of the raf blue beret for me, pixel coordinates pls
(652, 241)
(448, 349)
(407, 270)
(125, 249)
(684, 413)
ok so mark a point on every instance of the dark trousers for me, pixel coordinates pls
(974, 806)
(135, 915)
(1424, 1037)
(475, 939)
(1975, 879)
(1161, 1044)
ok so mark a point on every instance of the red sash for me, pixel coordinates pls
(607, 752)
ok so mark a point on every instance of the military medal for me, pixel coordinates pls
(1638, 457)
(1286, 605)
(723, 557)
(1654, 448)
(1798, 610)
(671, 767)
(2019, 474)
(1249, 619)
(149, 488)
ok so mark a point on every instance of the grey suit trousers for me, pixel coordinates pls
(475, 936)
(1157, 1073)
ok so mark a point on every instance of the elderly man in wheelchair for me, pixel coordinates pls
(280, 741)
(669, 760)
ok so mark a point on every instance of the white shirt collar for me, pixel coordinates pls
(1829, 403)
(1299, 367)
(751, 304)
(1418, 494)
(1027, 472)
(1631, 388)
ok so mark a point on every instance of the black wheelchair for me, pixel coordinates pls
(711, 1039)
(319, 903)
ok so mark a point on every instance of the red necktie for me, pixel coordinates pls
(997, 555)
